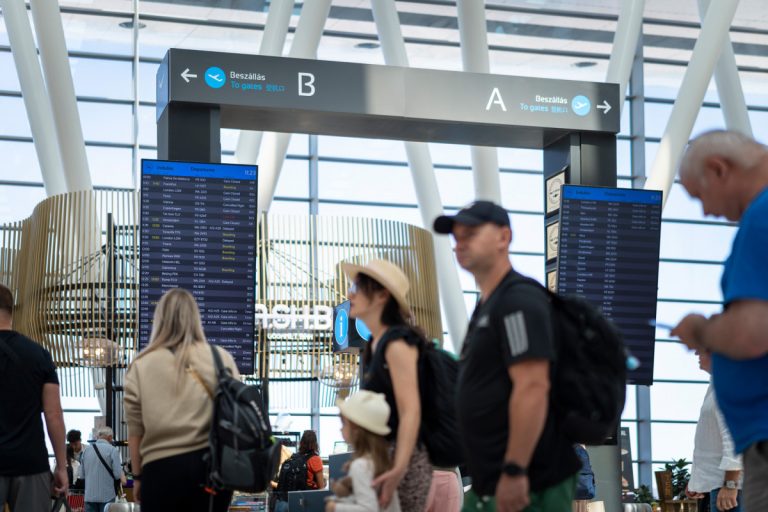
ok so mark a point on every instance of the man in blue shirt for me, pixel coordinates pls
(100, 467)
(728, 173)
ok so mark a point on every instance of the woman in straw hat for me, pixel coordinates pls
(378, 298)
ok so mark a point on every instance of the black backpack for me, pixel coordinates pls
(438, 376)
(293, 475)
(243, 455)
(590, 375)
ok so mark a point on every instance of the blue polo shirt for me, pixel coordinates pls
(742, 386)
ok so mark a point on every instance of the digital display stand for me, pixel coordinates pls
(198, 232)
(608, 253)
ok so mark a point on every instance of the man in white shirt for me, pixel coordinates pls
(716, 469)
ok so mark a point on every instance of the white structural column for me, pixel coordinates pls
(275, 145)
(714, 31)
(34, 95)
(272, 42)
(628, 31)
(474, 55)
(61, 91)
(729, 88)
(425, 183)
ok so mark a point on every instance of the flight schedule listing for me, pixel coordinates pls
(198, 232)
(609, 254)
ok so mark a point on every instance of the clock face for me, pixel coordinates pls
(553, 235)
(552, 281)
(554, 187)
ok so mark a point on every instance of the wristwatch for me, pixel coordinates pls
(731, 484)
(513, 469)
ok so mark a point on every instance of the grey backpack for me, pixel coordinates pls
(243, 454)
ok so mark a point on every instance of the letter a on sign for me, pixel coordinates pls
(495, 99)
(306, 84)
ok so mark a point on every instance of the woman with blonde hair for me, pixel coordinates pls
(168, 408)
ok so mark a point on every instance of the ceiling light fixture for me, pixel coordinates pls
(368, 46)
(129, 24)
(584, 64)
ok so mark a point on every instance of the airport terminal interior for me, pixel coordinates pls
(336, 196)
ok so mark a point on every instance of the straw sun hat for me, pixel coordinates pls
(368, 410)
(388, 275)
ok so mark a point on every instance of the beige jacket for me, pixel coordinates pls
(171, 418)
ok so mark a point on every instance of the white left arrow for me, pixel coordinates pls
(605, 107)
(186, 75)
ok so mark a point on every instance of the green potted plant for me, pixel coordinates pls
(680, 476)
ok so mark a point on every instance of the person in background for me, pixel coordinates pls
(28, 386)
(169, 407)
(364, 425)
(378, 298)
(100, 467)
(716, 470)
(308, 454)
(728, 172)
(517, 456)
(585, 486)
(74, 456)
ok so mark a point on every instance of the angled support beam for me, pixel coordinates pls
(305, 42)
(729, 85)
(61, 91)
(714, 32)
(473, 33)
(425, 183)
(625, 41)
(35, 97)
(272, 42)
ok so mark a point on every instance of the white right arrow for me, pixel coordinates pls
(186, 75)
(605, 107)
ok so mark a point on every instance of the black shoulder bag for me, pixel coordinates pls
(118, 491)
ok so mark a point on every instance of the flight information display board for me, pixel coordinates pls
(608, 253)
(198, 232)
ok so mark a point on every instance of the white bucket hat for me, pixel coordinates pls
(388, 275)
(368, 410)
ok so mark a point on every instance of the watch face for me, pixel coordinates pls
(731, 484)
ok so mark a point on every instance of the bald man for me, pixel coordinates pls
(728, 173)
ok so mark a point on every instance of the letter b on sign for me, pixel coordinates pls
(306, 84)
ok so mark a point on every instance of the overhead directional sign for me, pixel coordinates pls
(339, 98)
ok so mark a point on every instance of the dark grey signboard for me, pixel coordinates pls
(339, 98)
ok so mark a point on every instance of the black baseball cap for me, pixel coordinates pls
(474, 214)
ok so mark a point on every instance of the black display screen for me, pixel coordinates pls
(608, 253)
(198, 232)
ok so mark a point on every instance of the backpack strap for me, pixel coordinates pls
(5, 349)
(218, 364)
(191, 370)
(103, 462)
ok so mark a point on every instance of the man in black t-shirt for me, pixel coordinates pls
(28, 386)
(516, 455)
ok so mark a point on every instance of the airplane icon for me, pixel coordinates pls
(215, 77)
(579, 105)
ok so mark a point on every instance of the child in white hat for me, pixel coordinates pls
(364, 418)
